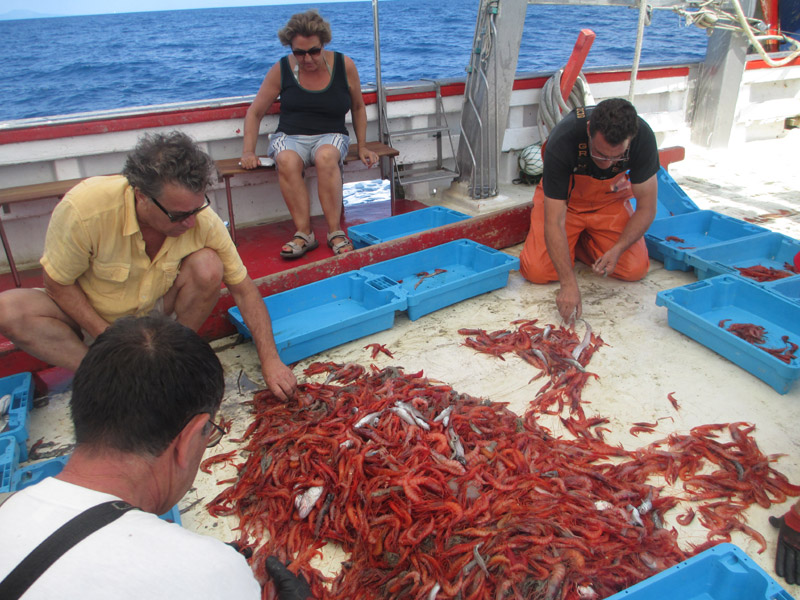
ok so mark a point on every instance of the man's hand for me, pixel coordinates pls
(787, 558)
(288, 585)
(606, 264)
(568, 302)
(279, 378)
(249, 160)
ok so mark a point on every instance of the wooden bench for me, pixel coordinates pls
(25, 193)
(226, 168)
(229, 167)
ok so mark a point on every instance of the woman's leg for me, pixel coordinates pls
(295, 194)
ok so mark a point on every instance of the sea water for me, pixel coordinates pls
(65, 65)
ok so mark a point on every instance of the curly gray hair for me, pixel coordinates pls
(307, 24)
(160, 158)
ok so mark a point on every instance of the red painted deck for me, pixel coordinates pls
(259, 247)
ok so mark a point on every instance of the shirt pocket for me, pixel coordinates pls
(110, 279)
(170, 270)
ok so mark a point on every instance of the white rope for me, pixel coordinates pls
(552, 106)
(644, 19)
(709, 15)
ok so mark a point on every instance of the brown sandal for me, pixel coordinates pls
(339, 247)
(296, 249)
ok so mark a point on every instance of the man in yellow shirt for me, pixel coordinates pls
(133, 243)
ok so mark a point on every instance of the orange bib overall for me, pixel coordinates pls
(597, 212)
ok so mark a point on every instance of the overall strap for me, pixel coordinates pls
(582, 165)
(60, 541)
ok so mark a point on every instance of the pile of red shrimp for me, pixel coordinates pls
(432, 493)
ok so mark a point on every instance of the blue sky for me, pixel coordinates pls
(94, 7)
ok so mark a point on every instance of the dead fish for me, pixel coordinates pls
(586, 592)
(587, 337)
(403, 414)
(575, 363)
(646, 504)
(444, 416)
(456, 446)
(370, 419)
(434, 591)
(5, 404)
(602, 505)
(636, 519)
(479, 558)
(540, 355)
(305, 502)
(415, 414)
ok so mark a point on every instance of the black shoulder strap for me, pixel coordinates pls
(59, 542)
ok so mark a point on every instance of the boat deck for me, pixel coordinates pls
(643, 362)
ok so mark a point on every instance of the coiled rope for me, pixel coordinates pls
(709, 14)
(552, 106)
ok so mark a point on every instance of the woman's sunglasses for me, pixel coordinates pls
(312, 51)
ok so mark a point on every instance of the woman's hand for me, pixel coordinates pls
(249, 160)
(367, 156)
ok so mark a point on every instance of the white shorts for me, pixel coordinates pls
(307, 145)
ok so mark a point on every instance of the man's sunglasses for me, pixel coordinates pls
(176, 217)
(312, 51)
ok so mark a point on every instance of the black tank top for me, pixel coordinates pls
(307, 112)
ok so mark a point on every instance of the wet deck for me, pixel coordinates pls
(644, 360)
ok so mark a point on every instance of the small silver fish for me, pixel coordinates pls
(456, 446)
(434, 590)
(415, 414)
(540, 355)
(479, 559)
(576, 353)
(646, 504)
(370, 419)
(403, 414)
(635, 518)
(586, 592)
(575, 363)
(444, 416)
(5, 404)
(305, 502)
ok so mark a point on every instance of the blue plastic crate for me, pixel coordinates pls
(383, 230)
(723, 572)
(767, 249)
(20, 386)
(326, 313)
(9, 459)
(696, 310)
(469, 269)
(672, 200)
(698, 230)
(36, 472)
(789, 288)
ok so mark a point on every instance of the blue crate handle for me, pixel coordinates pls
(370, 236)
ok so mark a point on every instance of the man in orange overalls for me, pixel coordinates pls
(595, 161)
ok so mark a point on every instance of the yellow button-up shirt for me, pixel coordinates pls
(94, 239)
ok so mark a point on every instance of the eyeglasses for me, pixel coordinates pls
(614, 159)
(312, 51)
(216, 434)
(176, 217)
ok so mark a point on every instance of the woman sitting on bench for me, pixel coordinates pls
(317, 88)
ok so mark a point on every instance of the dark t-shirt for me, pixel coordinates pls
(561, 156)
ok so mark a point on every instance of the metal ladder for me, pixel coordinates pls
(420, 174)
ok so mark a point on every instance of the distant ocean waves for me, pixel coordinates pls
(67, 65)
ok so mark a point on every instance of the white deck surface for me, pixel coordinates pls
(645, 359)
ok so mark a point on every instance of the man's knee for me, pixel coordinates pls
(633, 266)
(19, 306)
(204, 268)
(537, 271)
